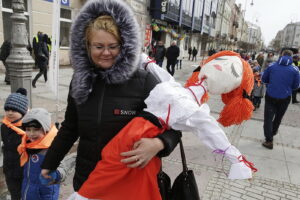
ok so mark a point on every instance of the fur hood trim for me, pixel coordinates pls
(127, 61)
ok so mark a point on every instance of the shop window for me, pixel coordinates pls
(65, 26)
(7, 13)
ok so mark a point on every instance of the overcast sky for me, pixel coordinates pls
(271, 15)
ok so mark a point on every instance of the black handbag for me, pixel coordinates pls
(164, 184)
(184, 186)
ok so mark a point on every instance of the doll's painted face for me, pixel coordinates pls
(222, 74)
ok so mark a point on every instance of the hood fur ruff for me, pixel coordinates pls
(128, 60)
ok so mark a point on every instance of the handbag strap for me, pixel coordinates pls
(183, 159)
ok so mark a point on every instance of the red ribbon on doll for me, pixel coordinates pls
(247, 163)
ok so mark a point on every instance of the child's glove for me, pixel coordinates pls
(53, 179)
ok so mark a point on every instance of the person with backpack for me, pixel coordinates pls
(42, 58)
(5, 51)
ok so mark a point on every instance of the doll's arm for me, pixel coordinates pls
(206, 128)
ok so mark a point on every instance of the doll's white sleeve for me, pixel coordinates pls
(185, 114)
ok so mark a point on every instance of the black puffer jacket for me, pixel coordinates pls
(102, 102)
(11, 157)
(108, 109)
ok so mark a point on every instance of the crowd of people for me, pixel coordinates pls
(278, 82)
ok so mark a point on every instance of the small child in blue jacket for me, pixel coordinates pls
(40, 134)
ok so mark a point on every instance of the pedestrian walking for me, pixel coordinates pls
(16, 106)
(179, 59)
(190, 52)
(107, 90)
(35, 42)
(42, 55)
(172, 55)
(281, 79)
(5, 51)
(160, 52)
(195, 52)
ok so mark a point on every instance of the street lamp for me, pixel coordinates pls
(252, 3)
(19, 61)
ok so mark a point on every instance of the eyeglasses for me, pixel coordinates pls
(100, 48)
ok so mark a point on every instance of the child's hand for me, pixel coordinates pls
(53, 178)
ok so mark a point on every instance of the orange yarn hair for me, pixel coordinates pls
(238, 106)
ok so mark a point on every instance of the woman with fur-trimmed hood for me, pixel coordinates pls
(107, 90)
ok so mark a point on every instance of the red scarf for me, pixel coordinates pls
(113, 180)
(42, 143)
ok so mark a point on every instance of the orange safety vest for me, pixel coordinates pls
(113, 180)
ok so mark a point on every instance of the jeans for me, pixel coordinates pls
(273, 114)
(179, 62)
(159, 63)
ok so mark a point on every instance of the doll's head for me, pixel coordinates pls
(227, 74)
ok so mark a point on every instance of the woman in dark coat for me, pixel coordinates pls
(107, 91)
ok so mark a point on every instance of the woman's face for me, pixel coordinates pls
(104, 48)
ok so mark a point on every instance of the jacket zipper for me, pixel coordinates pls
(100, 104)
(27, 186)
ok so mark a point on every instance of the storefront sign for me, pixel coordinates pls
(164, 6)
(148, 35)
(62, 2)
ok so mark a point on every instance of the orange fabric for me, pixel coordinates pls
(237, 108)
(14, 127)
(42, 143)
(113, 180)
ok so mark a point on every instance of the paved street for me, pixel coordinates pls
(278, 174)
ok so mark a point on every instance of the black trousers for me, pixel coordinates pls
(194, 58)
(43, 71)
(273, 114)
(294, 96)
(256, 101)
(7, 75)
(179, 62)
(14, 186)
(171, 66)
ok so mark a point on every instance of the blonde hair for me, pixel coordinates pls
(106, 23)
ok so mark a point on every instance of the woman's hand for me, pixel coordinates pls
(143, 151)
(45, 173)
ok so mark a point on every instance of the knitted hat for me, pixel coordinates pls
(17, 101)
(238, 106)
(40, 115)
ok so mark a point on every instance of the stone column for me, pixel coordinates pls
(20, 62)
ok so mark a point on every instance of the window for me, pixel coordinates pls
(65, 26)
(6, 14)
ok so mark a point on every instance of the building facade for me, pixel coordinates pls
(204, 24)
